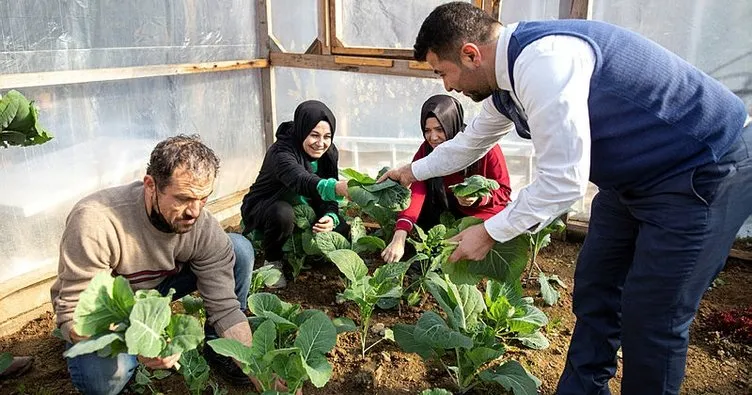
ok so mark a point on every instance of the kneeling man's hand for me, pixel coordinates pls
(160, 363)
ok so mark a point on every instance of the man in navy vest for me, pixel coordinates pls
(668, 147)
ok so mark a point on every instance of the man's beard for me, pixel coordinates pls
(160, 222)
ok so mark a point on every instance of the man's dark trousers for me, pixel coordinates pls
(647, 260)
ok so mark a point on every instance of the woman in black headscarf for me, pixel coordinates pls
(299, 168)
(441, 118)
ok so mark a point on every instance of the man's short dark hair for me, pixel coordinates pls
(451, 25)
(181, 151)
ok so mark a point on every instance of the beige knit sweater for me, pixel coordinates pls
(110, 230)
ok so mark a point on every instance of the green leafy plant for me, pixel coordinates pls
(288, 343)
(366, 291)
(435, 391)
(431, 252)
(361, 242)
(538, 241)
(364, 191)
(294, 251)
(514, 317)
(195, 371)
(117, 320)
(143, 379)
(464, 339)
(474, 186)
(504, 263)
(265, 276)
(19, 122)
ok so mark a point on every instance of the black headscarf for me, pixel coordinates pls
(293, 133)
(448, 111)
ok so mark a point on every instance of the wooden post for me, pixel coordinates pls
(575, 9)
(268, 104)
(325, 31)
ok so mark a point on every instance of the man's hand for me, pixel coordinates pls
(474, 244)
(404, 175)
(75, 338)
(324, 224)
(159, 363)
(466, 201)
(340, 189)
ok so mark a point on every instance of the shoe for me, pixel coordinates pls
(226, 367)
(18, 367)
(282, 282)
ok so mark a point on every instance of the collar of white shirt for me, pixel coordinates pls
(502, 74)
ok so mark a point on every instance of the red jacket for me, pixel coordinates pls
(492, 166)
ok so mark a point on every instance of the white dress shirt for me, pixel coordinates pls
(552, 84)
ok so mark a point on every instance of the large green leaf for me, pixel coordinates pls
(535, 340)
(352, 174)
(96, 310)
(344, 324)
(149, 317)
(283, 324)
(404, 336)
(368, 244)
(349, 263)
(511, 290)
(316, 337)
(389, 272)
(527, 319)
(474, 186)
(470, 304)
(265, 276)
(304, 216)
(10, 104)
(234, 349)
(550, 295)
(466, 222)
(327, 242)
(185, 333)
(193, 304)
(505, 262)
(122, 295)
(93, 344)
(290, 369)
(263, 340)
(195, 371)
(513, 377)
(318, 369)
(480, 356)
(19, 122)
(262, 302)
(432, 330)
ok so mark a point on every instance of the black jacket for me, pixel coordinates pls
(286, 172)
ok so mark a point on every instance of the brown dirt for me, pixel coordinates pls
(715, 365)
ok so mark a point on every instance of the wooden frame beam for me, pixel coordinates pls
(268, 104)
(400, 67)
(66, 77)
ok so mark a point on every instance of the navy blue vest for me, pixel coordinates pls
(652, 115)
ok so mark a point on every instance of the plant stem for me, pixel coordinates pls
(363, 336)
(371, 346)
(459, 370)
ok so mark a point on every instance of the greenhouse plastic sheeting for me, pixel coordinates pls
(51, 35)
(295, 23)
(712, 35)
(525, 10)
(104, 133)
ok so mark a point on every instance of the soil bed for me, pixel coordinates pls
(716, 365)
